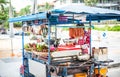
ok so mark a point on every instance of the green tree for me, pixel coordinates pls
(25, 11)
(3, 11)
(2, 5)
(46, 7)
(90, 2)
(40, 8)
(4, 16)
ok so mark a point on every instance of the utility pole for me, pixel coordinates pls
(11, 27)
(10, 16)
(34, 10)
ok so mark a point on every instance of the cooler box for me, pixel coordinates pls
(80, 75)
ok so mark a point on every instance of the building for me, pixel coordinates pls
(110, 4)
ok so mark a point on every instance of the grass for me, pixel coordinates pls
(108, 28)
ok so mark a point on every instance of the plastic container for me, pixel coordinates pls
(100, 54)
(80, 75)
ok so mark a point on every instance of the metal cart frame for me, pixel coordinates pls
(52, 65)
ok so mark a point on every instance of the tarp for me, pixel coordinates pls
(99, 17)
(83, 9)
(29, 17)
(93, 13)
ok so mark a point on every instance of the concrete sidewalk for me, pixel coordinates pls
(10, 54)
(9, 69)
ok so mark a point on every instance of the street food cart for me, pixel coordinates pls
(74, 57)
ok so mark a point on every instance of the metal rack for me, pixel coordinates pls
(63, 67)
(75, 66)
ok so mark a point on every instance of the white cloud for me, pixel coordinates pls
(18, 4)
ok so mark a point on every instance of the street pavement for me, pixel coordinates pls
(11, 69)
(114, 72)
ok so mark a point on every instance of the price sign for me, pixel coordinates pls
(104, 34)
(63, 18)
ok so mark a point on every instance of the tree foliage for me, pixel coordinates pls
(25, 11)
(48, 6)
(3, 11)
(45, 7)
(108, 28)
(2, 5)
(91, 2)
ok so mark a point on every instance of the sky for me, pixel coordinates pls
(18, 4)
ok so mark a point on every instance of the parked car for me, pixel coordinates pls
(17, 32)
(3, 31)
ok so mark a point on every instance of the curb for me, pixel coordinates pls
(114, 65)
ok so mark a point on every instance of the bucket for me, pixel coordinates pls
(80, 75)
(101, 71)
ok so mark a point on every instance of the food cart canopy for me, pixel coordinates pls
(92, 13)
(83, 9)
(29, 17)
